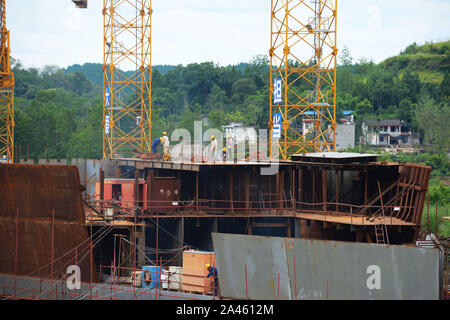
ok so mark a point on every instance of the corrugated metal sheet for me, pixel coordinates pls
(264, 268)
(33, 192)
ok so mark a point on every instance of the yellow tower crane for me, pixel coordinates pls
(303, 76)
(127, 70)
(6, 93)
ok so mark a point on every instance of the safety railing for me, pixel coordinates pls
(109, 210)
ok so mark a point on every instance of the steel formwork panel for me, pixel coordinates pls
(42, 221)
(261, 268)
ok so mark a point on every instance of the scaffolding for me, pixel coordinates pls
(6, 93)
(303, 75)
(127, 72)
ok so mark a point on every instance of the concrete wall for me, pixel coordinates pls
(345, 136)
(291, 269)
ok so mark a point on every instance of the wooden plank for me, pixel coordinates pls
(351, 220)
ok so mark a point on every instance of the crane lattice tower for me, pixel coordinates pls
(303, 55)
(6, 92)
(127, 72)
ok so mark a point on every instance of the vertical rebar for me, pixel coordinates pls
(114, 264)
(135, 248)
(91, 257)
(17, 253)
(196, 191)
(160, 277)
(436, 222)
(382, 210)
(428, 212)
(53, 240)
(157, 236)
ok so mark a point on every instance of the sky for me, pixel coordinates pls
(53, 32)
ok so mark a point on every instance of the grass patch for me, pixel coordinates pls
(429, 219)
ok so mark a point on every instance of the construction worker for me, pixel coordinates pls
(214, 273)
(213, 147)
(155, 144)
(165, 143)
(224, 153)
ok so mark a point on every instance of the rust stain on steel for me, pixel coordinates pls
(34, 191)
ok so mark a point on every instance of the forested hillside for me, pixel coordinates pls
(59, 112)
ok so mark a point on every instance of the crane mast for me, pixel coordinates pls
(6, 92)
(303, 76)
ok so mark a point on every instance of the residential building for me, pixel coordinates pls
(387, 132)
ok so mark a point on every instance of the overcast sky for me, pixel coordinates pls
(227, 32)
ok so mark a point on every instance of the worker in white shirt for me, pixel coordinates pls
(213, 148)
(165, 144)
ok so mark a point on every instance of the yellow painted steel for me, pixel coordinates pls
(303, 54)
(127, 77)
(6, 92)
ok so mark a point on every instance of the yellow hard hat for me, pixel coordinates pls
(224, 149)
(228, 136)
(212, 137)
(164, 133)
(160, 139)
(207, 266)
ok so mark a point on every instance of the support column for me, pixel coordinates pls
(196, 192)
(292, 191)
(136, 188)
(231, 192)
(179, 243)
(337, 190)
(288, 228)
(365, 189)
(141, 246)
(213, 204)
(214, 228)
(282, 194)
(101, 175)
(297, 227)
(247, 190)
(324, 190)
(300, 186)
(313, 173)
(149, 190)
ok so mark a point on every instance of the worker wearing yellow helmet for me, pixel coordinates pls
(213, 148)
(165, 143)
(213, 272)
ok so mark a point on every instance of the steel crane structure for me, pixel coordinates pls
(303, 76)
(127, 120)
(6, 92)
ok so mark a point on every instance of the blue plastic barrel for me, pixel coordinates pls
(151, 277)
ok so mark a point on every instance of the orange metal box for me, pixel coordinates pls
(194, 271)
